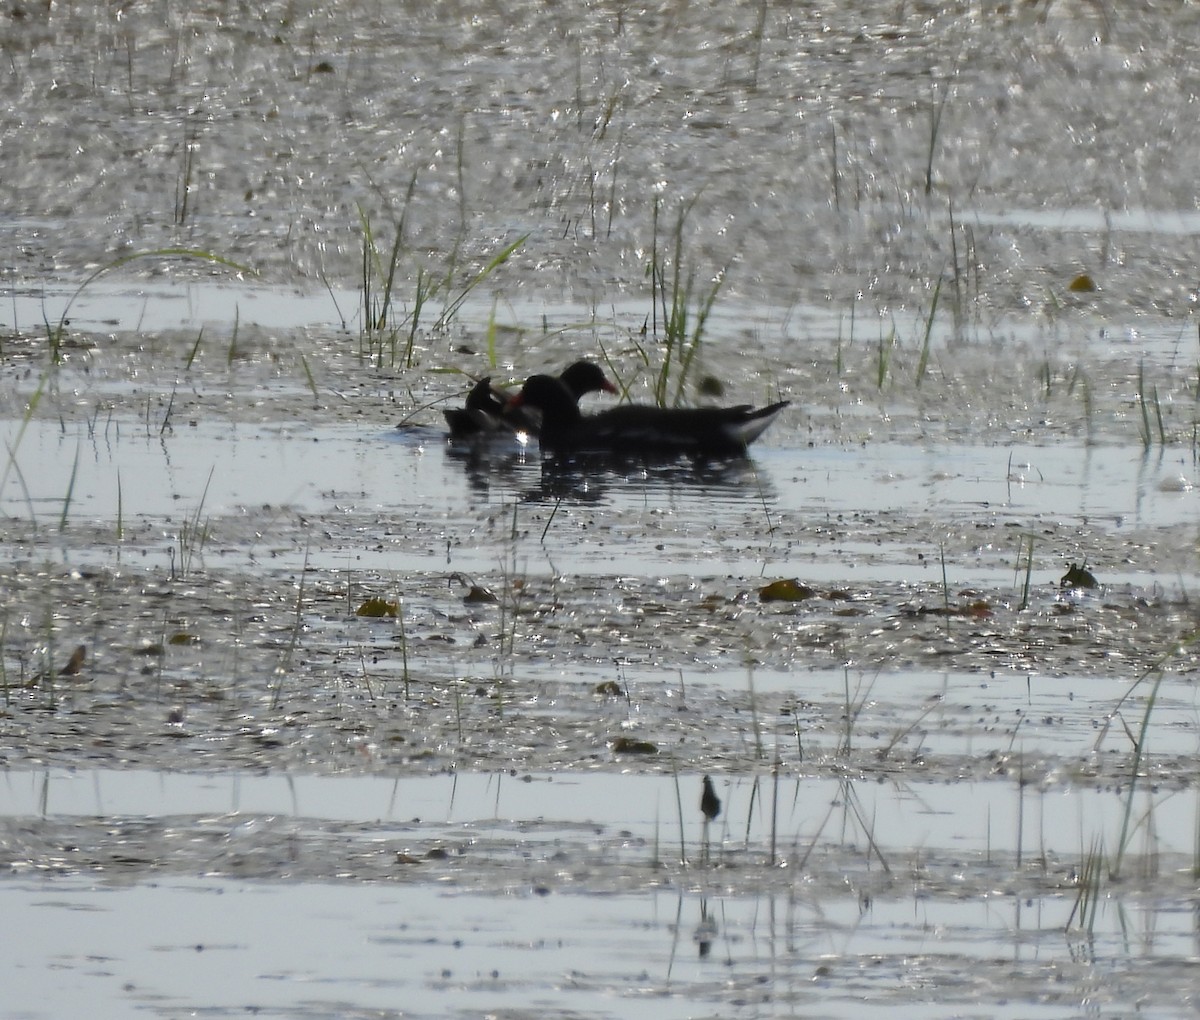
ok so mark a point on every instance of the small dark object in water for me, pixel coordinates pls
(640, 428)
(710, 803)
(1078, 576)
(630, 745)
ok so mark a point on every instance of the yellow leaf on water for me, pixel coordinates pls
(377, 608)
(785, 591)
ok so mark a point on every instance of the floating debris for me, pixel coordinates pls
(785, 591)
(377, 608)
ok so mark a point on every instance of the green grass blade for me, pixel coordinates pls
(62, 521)
(924, 360)
(451, 309)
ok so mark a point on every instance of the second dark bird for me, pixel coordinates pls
(487, 411)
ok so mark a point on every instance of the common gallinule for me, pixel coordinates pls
(486, 410)
(639, 428)
(483, 412)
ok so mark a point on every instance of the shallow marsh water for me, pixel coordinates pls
(250, 798)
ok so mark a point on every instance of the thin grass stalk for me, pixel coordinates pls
(760, 25)
(491, 336)
(758, 746)
(550, 519)
(1158, 415)
(120, 517)
(1145, 428)
(847, 709)
(183, 188)
(451, 309)
(884, 357)
(403, 646)
(926, 342)
(192, 536)
(1139, 751)
(48, 674)
(286, 662)
(166, 422)
(693, 348)
(1087, 900)
(233, 338)
(389, 283)
(851, 798)
(656, 281)
(679, 807)
(755, 796)
(425, 289)
(1085, 396)
(612, 190)
(62, 521)
(935, 125)
(308, 376)
(675, 325)
(460, 159)
(1020, 811)
(1185, 642)
(367, 276)
(957, 277)
(1195, 844)
(4, 684)
(187, 364)
(774, 808)
(901, 733)
(162, 253)
(1028, 570)
(26, 418)
(812, 845)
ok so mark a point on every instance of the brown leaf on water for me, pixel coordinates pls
(478, 594)
(75, 663)
(377, 608)
(785, 591)
(628, 745)
(978, 610)
(1083, 284)
(182, 637)
(609, 689)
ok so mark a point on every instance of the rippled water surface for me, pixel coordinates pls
(248, 255)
